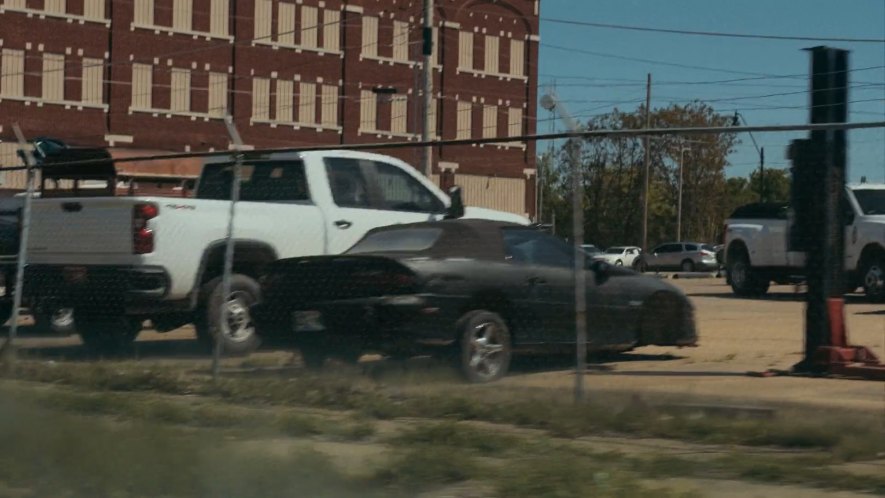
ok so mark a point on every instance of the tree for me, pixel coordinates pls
(613, 177)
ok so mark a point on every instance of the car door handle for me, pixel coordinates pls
(343, 224)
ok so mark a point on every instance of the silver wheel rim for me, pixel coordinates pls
(486, 350)
(62, 318)
(874, 280)
(237, 326)
(619, 263)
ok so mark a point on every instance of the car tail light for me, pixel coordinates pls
(142, 235)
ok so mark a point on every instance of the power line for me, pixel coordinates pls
(713, 33)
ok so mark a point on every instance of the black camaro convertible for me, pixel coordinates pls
(476, 290)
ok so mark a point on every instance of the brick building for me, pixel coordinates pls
(162, 74)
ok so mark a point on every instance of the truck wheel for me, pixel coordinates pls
(873, 273)
(484, 346)
(5, 313)
(55, 320)
(744, 281)
(687, 266)
(238, 335)
(111, 335)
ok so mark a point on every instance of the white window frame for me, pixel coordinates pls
(465, 50)
(331, 30)
(464, 121)
(286, 15)
(285, 101)
(329, 103)
(92, 84)
(307, 103)
(12, 73)
(517, 57)
(489, 121)
(368, 111)
(309, 27)
(260, 99)
(180, 93)
(53, 78)
(369, 47)
(217, 94)
(219, 21)
(142, 86)
(263, 20)
(399, 114)
(401, 41)
(183, 16)
(492, 63)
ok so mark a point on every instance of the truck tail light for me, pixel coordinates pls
(142, 235)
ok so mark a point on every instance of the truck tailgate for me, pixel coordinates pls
(85, 225)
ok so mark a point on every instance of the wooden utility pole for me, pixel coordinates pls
(647, 161)
(427, 94)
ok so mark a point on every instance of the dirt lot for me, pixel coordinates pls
(737, 336)
(659, 422)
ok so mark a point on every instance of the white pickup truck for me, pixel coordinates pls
(119, 261)
(757, 238)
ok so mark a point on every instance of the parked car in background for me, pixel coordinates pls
(472, 290)
(679, 256)
(620, 255)
(758, 251)
(591, 250)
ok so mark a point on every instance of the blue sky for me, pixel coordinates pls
(589, 84)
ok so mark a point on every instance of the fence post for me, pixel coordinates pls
(27, 152)
(237, 143)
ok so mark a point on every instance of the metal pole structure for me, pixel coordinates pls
(738, 118)
(550, 103)
(647, 167)
(27, 151)
(427, 159)
(679, 208)
(237, 143)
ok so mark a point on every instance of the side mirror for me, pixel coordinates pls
(456, 207)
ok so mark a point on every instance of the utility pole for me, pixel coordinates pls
(762, 174)
(679, 208)
(647, 161)
(427, 160)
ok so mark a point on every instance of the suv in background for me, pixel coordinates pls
(679, 256)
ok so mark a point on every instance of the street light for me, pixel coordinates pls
(679, 209)
(738, 118)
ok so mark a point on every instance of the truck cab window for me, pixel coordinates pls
(349, 188)
(400, 191)
(270, 182)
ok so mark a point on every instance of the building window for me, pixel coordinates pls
(182, 15)
(219, 12)
(399, 114)
(465, 50)
(370, 36)
(54, 6)
(93, 70)
(309, 27)
(144, 12)
(517, 57)
(217, 94)
(142, 83)
(263, 13)
(286, 23)
(514, 122)
(329, 111)
(93, 9)
(181, 90)
(261, 99)
(490, 121)
(15, 4)
(12, 73)
(492, 54)
(400, 40)
(465, 120)
(307, 103)
(54, 77)
(368, 110)
(433, 116)
(331, 30)
(285, 91)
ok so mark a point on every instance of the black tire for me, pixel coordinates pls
(55, 321)
(687, 266)
(107, 334)
(242, 339)
(642, 266)
(743, 280)
(5, 312)
(873, 275)
(484, 346)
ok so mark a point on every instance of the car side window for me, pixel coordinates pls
(668, 248)
(275, 181)
(400, 191)
(536, 248)
(691, 247)
(349, 187)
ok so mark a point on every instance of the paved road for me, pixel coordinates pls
(736, 336)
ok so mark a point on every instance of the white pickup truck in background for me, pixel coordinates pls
(118, 261)
(757, 239)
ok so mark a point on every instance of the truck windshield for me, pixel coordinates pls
(872, 201)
